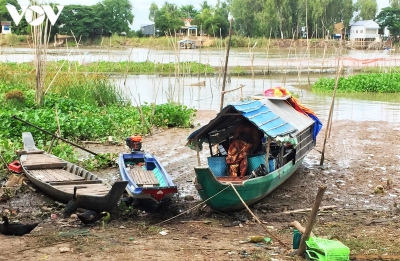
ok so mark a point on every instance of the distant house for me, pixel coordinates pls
(364, 31)
(148, 30)
(188, 29)
(5, 27)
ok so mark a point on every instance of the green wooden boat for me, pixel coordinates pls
(287, 136)
(250, 190)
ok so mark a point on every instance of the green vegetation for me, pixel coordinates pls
(86, 108)
(238, 70)
(22, 72)
(373, 82)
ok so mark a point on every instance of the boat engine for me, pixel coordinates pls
(134, 142)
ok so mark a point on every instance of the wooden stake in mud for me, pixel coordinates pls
(226, 65)
(311, 221)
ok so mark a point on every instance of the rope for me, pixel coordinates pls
(191, 208)
(256, 218)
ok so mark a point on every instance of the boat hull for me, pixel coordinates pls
(250, 190)
(96, 195)
(162, 188)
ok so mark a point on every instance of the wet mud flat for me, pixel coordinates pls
(359, 158)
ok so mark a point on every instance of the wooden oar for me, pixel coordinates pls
(57, 137)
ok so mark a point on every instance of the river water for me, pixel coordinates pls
(357, 107)
(292, 68)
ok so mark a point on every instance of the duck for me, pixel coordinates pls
(72, 205)
(15, 229)
(90, 216)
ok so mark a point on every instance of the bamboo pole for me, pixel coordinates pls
(338, 73)
(256, 218)
(328, 127)
(311, 221)
(240, 87)
(197, 151)
(226, 64)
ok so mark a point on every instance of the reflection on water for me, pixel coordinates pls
(357, 107)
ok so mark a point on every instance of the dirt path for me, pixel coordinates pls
(359, 157)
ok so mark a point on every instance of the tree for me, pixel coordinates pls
(22, 27)
(116, 16)
(168, 18)
(188, 11)
(205, 5)
(213, 21)
(4, 14)
(81, 20)
(320, 16)
(389, 17)
(366, 9)
(394, 3)
(153, 11)
(245, 13)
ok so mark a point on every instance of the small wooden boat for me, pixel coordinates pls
(148, 180)
(280, 137)
(57, 178)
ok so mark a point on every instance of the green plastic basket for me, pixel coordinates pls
(327, 250)
(313, 255)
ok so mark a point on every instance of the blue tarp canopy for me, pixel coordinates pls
(273, 117)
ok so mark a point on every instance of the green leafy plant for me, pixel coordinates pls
(238, 70)
(372, 82)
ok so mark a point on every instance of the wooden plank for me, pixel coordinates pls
(91, 189)
(143, 177)
(54, 175)
(231, 179)
(75, 182)
(41, 161)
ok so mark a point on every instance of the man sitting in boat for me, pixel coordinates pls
(246, 140)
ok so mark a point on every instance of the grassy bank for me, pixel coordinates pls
(78, 107)
(19, 72)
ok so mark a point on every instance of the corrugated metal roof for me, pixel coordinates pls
(274, 118)
(264, 118)
(367, 24)
(289, 114)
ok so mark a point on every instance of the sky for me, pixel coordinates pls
(141, 7)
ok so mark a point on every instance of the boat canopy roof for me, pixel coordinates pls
(274, 117)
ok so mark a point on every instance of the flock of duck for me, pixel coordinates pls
(88, 217)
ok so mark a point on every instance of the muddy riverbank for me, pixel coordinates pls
(359, 157)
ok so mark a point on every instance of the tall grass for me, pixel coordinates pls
(13, 39)
(92, 89)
